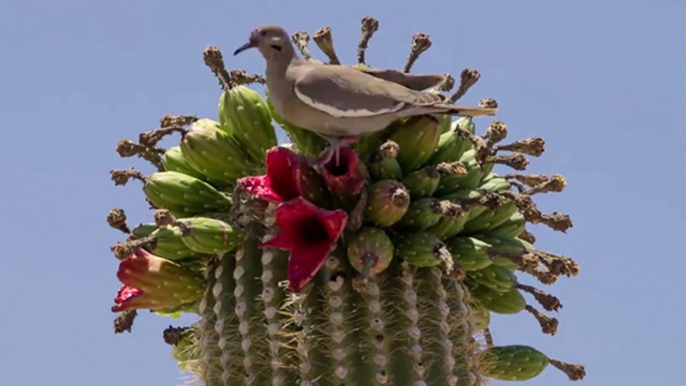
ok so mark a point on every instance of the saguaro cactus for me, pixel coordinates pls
(382, 267)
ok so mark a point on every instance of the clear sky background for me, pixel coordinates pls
(601, 81)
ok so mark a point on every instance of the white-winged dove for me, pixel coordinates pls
(341, 103)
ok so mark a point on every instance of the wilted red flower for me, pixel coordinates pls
(310, 233)
(289, 175)
(347, 175)
(151, 282)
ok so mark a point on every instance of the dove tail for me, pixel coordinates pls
(468, 111)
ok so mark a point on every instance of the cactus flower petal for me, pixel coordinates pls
(347, 175)
(151, 282)
(288, 176)
(310, 233)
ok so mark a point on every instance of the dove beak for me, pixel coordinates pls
(246, 46)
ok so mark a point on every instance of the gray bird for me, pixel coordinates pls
(341, 103)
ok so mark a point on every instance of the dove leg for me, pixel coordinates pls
(334, 148)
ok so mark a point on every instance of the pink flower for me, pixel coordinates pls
(347, 177)
(310, 233)
(151, 282)
(289, 175)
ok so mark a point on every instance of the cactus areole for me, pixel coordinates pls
(381, 266)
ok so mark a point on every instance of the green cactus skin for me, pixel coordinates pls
(370, 249)
(174, 161)
(512, 227)
(184, 195)
(495, 277)
(387, 202)
(215, 153)
(491, 219)
(513, 363)
(510, 302)
(423, 182)
(333, 332)
(245, 115)
(504, 248)
(417, 138)
(168, 241)
(421, 249)
(450, 146)
(209, 235)
(482, 316)
(469, 252)
(381, 168)
(449, 183)
(422, 214)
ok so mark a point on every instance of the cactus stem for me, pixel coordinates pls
(245, 291)
(549, 302)
(461, 334)
(376, 331)
(410, 329)
(124, 321)
(116, 218)
(548, 324)
(495, 132)
(305, 346)
(468, 78)
(534, 147)
(324, 41)
(214, 60)
(301, 39)
(273, 263)
(152, 137)
(121, 177)
(240, 77)
(440, 313)
(420, 43)
(338, 327)
(210, 367)
(575, 372)
(127, 148)
(369, 27)
(181, 120)
(226, 321)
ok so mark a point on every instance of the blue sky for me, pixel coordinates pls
(602, 82)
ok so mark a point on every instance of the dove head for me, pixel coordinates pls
(272, 41)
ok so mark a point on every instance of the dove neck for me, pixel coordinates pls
(276, 69)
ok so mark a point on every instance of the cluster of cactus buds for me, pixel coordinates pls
(382, 266)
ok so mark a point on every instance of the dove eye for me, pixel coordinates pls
(263, 33)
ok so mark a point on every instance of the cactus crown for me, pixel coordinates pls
(382, 267)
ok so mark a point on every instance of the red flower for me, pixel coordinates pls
(289, 175)
(310, 233)
(347, 175)
(151, 282)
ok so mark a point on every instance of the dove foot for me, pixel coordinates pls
(334, 149)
